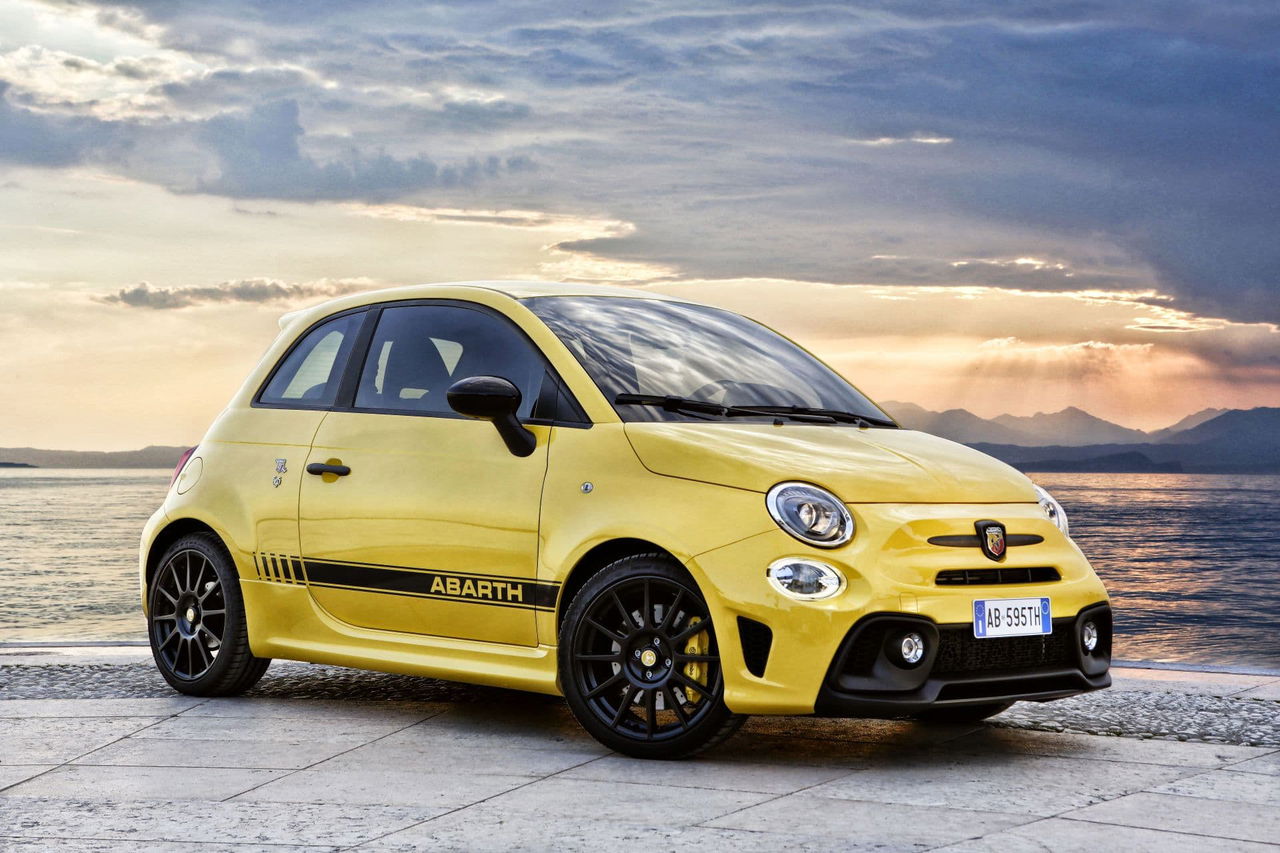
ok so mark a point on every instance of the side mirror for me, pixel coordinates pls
(492, 398)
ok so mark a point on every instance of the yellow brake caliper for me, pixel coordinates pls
(698, 644)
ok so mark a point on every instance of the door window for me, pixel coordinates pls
(310, 374)
(418, 351)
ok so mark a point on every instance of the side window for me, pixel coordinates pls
(310, 374)
(418, 351)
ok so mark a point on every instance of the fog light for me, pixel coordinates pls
(1089, 636)
(805, 579)
(912, 648)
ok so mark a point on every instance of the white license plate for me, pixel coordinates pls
(1011, 617)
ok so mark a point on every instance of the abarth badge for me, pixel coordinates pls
(991, 538)
(280, 469)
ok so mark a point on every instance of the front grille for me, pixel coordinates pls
(1003, 574)
(961, 652)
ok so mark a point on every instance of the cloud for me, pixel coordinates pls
(30, 138)
(1131, 144)
(259, 156)
(246, 290)
(61, 82)
(885, 141)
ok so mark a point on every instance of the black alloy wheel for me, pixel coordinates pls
(639, 662)
(196, 621)
(189, 615)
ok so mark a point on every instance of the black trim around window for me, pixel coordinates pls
(258, 403)
(566, 411)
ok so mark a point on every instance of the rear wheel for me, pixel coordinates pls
(196, 622)
(963, 713)
(639, 663)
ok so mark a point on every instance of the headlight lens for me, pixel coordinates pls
(810, 514)
(808, 580)
(1054, 510)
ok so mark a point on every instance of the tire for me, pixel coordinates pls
(637, 673)
(196, 623)
(963, 713)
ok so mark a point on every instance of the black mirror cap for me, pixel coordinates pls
(485, 397)
(493, 399)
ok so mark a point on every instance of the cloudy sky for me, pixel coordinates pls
(1003, 207)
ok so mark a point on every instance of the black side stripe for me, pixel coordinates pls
(496, 590)
(277, 568)
(508, 592)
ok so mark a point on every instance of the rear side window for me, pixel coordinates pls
(418, 351)
(312, 371)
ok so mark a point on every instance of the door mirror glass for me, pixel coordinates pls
(494, 399)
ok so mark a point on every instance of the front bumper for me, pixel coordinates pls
(866, 679)
(782, 656)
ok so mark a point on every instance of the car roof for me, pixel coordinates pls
(455, 289)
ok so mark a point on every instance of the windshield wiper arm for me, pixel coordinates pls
(672, 404)
(833, 414)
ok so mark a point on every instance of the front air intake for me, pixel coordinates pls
(757, 640)
(1002, 575)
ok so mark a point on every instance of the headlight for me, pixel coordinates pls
(807, 580)
(1054, 510)
(810, 514)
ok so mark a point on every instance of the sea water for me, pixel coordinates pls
(1192, 561)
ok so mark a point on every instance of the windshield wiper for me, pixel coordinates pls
(833, 414)
(672, 404)
(705, 407)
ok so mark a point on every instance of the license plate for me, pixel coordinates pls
(1011, 617)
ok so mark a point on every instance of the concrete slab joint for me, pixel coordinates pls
(96, 754)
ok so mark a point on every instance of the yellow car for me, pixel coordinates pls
(665, 512)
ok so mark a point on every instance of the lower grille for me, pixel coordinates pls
(984, 577)
(961, 652)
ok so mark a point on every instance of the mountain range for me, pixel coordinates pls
(1211, 440)
(1071, 427)
(154, 456)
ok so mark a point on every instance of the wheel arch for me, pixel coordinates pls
(596, 559)
(170, 533)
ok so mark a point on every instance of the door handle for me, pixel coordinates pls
(324, 468)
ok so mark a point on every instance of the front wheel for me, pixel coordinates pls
(196, 622)
(639, 664)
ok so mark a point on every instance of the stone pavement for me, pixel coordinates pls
(479, 769)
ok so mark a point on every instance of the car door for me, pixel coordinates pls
(263, 448)
(435, 529)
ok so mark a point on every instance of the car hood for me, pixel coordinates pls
(858, 465)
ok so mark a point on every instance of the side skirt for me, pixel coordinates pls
(285, 623)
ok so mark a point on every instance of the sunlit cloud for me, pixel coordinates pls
(584, 267)
(582, 227)
(886, 141)
(246, 290)
(124, 87)
(1032, 263)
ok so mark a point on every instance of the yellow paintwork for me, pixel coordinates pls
(444, 494)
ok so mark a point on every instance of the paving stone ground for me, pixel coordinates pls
(97, 753)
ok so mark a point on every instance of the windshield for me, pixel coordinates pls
(674, 349)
